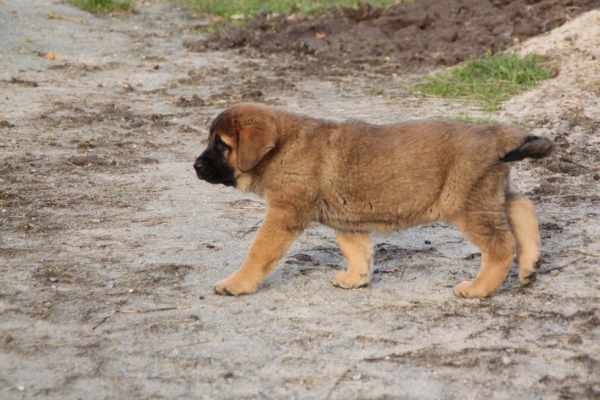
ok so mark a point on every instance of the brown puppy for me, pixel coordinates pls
(358, 178)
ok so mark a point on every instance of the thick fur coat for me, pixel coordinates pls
(358, 178)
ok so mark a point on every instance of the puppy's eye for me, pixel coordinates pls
(220, 145)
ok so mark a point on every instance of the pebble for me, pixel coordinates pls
(524, 314)
(555, 272)
(506, 360)
(110, 285)
(54, 279)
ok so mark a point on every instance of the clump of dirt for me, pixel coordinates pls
(195, 101)
(407, 36)
(82, 161)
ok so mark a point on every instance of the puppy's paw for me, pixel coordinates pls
(469, 290)
(528, 275)
(527, 279)
(234, 285)
(346, 280)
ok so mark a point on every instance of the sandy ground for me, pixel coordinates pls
(109, 244)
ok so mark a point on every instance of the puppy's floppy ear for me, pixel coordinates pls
(257, 135)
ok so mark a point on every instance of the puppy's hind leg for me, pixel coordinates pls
(524, 224)
(358, 250)
(490, 231)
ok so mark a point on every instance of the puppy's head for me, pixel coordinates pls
(239, 139)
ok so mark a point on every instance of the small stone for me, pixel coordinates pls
(110, 284)
(357, 377)
(554, 272)
(53, 279)
(47, 304)
(21, 388)
(506, 360)
(8, 339)
(575, 340)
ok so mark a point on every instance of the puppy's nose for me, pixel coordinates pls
(199, 165)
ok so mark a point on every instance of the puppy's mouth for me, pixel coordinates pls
(226, 182)
(210, 172)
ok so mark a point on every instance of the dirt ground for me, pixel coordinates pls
(406, 37)
(109, 244)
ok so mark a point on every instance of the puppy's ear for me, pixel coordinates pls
(257, 135)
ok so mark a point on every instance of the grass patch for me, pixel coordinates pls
(376, 91)
(490, 80)
(466, 117)
(102, 6)
(248, 8)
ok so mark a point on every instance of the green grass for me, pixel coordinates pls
(376, 91)
(466, 117)
(490, 80)
(248, 8)
(102, 6)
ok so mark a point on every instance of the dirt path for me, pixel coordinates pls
(109, 244)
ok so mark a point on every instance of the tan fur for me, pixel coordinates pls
(358, 178)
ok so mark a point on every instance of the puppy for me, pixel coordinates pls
(358, 178)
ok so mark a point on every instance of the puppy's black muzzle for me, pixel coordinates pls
(201, 168)
(212, 168)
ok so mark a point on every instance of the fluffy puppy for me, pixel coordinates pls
(359, 178)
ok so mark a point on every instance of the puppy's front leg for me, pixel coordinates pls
(274, 237)
(358, 249)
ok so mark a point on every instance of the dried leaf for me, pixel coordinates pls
(51, 56)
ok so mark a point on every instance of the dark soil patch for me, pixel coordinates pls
(165, 274)
(23, 82)
(405, 37)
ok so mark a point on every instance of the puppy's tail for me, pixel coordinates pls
(531, 146)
